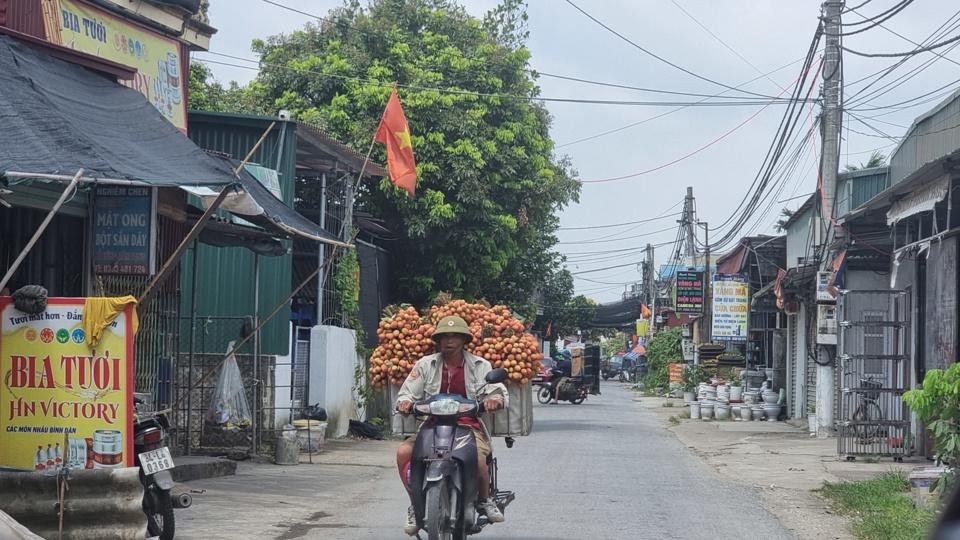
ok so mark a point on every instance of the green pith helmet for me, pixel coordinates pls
(452, 325)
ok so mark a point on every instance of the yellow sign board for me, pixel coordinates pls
(156, 58)
(62, 403)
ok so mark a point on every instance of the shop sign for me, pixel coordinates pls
(123, 229)
(62, 403)
(689, 350)
(675, 373)
(156, 58)
(731, 307)
(689, 292)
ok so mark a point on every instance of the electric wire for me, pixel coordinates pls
(649, 53)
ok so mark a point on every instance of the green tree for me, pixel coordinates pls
(484, 218)
(208, 94)
(877, 159)
(785, 215)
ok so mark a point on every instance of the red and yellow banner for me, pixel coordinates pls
(61, 402)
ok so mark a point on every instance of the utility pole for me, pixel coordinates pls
(687, 223)
(652, 283)
(830, 165)
(707, 327)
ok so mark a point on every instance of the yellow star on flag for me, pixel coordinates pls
(404, 138)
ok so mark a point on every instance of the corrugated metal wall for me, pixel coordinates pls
(933, 137)
(25, 16)
(857, 187)
(225, 277)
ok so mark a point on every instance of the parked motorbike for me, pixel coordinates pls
(542, 383)
(443, 473)
(150, 434)
(572, 389)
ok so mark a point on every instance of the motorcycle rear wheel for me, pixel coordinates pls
(580, 399)
(543, 395)
(159, 510)
(438, 512)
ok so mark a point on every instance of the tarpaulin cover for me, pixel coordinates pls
(617, 314)
(58, 117)
(261, 207)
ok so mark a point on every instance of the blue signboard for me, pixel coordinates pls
(123, 230)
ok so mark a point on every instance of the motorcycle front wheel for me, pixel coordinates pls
(438, 512)
(159, 510)
(543, 395)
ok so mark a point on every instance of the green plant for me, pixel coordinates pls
(674, 420)
(667, 404)
(346, 282)
(881, 507)
(937, 404)
(663, 349)
(693, 375)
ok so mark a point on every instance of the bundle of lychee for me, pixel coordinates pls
(405, 336)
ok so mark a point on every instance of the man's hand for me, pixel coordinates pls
(492, 404)
(404, 407)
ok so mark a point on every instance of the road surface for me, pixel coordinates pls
(605, 469)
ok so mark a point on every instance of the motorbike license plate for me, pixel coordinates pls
(155, 461)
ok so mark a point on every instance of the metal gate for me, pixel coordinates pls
(874, 374)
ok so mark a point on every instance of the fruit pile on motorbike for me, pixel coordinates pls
(404, 335)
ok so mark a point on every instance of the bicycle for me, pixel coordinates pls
(868, 413)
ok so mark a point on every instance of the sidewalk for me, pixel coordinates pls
(783, 462)
(264, 500)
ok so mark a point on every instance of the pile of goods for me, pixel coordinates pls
(405, 336)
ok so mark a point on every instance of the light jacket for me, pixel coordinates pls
(424, 379)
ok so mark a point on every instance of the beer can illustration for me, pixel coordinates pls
(107, 449)
(77, 453)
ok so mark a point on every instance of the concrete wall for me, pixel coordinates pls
(283, 379)
(800, 236)
(333, 359)
(866, 280)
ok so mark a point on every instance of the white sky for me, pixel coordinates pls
(767, 33)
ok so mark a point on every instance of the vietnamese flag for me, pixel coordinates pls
(395, 134)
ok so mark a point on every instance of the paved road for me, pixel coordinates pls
(605, 469)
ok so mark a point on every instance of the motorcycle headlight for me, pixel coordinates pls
(444, 407)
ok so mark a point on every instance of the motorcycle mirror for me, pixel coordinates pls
(496, 376)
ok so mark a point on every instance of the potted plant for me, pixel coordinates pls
(812, 418)
(736, 387)
(692, 375)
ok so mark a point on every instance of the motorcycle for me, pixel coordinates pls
(150, 433)
(542, 382)
(572, 389)
(443, 472)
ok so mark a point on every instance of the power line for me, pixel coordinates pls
(877, 20)
(455, 91)
(660, 58)
(661, 115)
(724, 43)
(616, 239)
(908, 53)
(618, 224)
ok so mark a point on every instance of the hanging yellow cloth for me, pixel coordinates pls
(99, 312)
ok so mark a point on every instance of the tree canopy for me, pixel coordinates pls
(483, 221)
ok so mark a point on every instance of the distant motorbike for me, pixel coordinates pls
(542, 383)
(443, 472)
(150, 433)
(572, 389)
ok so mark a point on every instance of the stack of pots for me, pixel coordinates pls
(770, 405)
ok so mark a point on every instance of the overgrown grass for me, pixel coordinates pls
(881, 508)
(667, 404)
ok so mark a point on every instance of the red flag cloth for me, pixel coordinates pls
(395, 134)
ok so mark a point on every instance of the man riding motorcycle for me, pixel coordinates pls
(454, 371)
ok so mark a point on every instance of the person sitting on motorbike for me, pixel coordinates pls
(562, 370)
(452, 371)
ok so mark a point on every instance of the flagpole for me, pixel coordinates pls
(366, 160)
